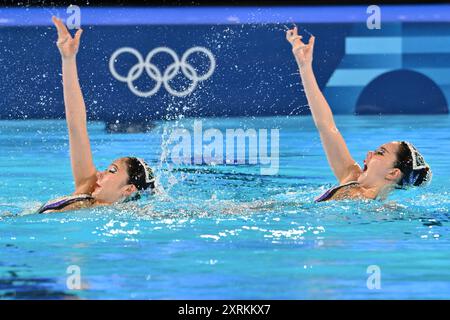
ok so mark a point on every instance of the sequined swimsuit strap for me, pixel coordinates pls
(60, 203)
(327, 195)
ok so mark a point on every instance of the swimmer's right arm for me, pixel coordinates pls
(343, 165)
(83, 168)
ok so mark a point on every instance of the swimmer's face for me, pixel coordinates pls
(380, 163)
(112, 184)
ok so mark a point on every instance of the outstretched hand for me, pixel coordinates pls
(68, 46)
(303, 53)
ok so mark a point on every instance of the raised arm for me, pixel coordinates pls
(83, 168)
(343, 165)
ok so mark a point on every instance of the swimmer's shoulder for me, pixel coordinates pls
(87, 187)
(67, 203)
(354, 173)
(349, 191)
(80, 204)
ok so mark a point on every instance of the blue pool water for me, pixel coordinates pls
(224, 231)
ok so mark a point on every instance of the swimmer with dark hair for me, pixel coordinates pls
(124, 179)
(396, 164)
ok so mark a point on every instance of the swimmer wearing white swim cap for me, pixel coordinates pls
(124, 179)
(396, 164)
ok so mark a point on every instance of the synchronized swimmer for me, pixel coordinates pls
(393, 165)
(123, 179)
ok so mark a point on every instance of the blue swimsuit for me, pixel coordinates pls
(60, 203)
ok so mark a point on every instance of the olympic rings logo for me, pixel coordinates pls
(169, 73)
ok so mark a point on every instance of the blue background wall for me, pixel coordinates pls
(256, 74)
